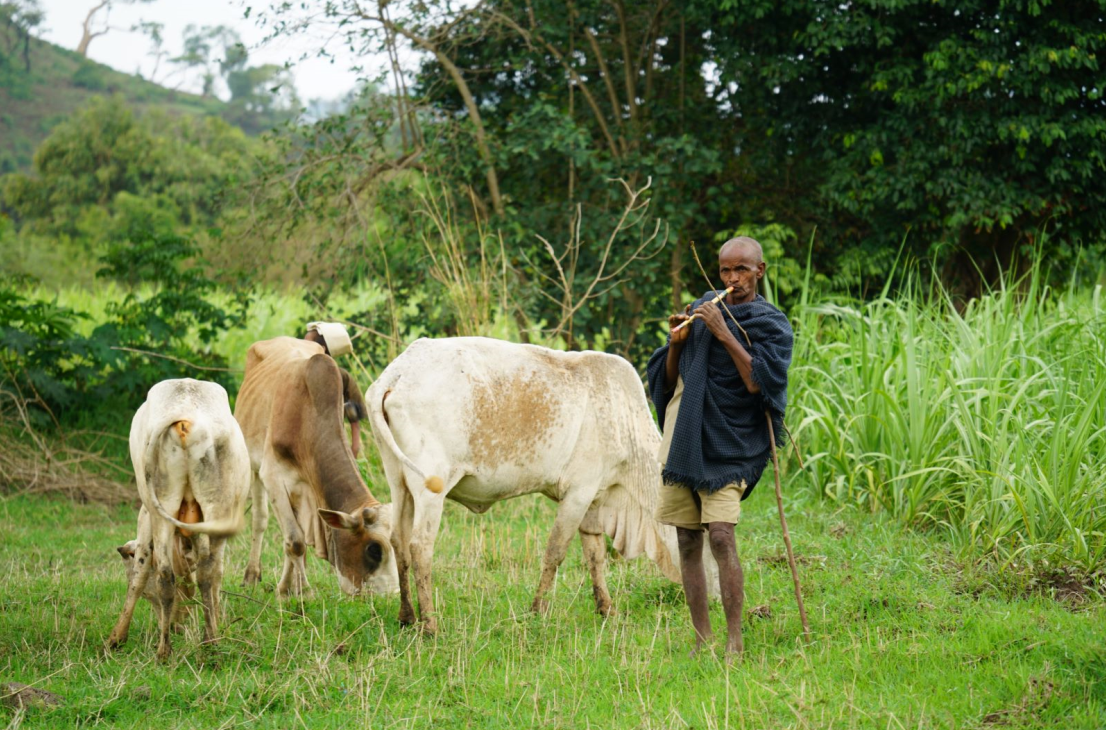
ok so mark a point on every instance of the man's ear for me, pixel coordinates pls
(340, 520)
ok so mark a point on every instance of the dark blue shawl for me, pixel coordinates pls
(721, 433)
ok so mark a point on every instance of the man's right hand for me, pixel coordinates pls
(674, 321)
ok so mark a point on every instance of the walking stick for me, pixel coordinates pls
(776, 470)
(786, 533)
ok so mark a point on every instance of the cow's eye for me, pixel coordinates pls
(374, 555)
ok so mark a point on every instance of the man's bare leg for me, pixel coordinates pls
(695, 582)
(731, 580)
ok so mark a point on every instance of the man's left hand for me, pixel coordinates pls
(714, 320)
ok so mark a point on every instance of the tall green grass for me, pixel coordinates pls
(985, 420)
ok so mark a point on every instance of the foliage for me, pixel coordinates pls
(984, 421)
(107, 167)
(973, 125)
(141, 340)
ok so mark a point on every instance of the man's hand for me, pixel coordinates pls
(715, 321)
(674, 321)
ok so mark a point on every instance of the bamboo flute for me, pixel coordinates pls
(691, 319)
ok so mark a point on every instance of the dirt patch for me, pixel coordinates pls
(780, 559)
(1072, 587)
(1036, 698)
(21, 696)
(762, 611)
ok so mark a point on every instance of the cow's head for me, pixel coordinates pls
(126, 551)
(361, 549)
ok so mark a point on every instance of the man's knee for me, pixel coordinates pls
(690, 542)
(721, 538)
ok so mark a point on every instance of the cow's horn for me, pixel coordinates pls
(369, 515)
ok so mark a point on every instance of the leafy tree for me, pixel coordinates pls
(972, 125)
(181, 165)
(18, 18)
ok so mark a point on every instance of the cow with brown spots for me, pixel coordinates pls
(292, 408)
(478, 420)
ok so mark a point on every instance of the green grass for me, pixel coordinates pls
(902, 637)
(984, 422)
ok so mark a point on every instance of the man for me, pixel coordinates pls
(335, 342)
(712, 384)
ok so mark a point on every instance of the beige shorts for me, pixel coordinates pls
(683, 507)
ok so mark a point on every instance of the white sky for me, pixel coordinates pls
(124, 51)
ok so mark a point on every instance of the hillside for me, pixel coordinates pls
(58, 83)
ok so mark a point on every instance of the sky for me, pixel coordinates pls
(128, 52)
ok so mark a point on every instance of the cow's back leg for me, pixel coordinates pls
(278, 482)
(209, 575)
(403, 511)
(427, 519)
(595, 557)
(166, 584)
(143, 561)
(570, 515)
(260, 522)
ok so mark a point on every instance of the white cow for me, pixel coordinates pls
(480, 420)
(193, 473)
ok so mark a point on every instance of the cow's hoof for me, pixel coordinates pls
(252, 576)
(605, 610)
(116, 640)
(540, 606)
(163, 651)
(429, 627)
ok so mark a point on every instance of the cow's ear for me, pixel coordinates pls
(126, 551)
(340, 520)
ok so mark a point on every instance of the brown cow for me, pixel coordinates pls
(291, 411)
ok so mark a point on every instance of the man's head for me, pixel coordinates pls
(741, 265)
(332, 336)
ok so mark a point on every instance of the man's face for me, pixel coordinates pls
(739, 268)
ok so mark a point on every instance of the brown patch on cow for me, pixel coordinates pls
(435, 484)
(183, 428)
(511, 418)
(189, 513)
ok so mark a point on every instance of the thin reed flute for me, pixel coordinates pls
(691, 319)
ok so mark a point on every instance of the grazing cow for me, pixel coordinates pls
(190, 460)
(479, 420)
(291, 409)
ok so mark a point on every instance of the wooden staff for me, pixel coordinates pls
(691, 319)
(786, 534)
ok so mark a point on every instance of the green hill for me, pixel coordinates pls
(59, 82)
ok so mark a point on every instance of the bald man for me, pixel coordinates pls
(712, 384)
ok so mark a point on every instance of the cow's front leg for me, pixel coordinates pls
(570, 514)
(143, 560)
(260, 522)
(427, 519)
(209, 574)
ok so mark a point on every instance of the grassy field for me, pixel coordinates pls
(903, 637)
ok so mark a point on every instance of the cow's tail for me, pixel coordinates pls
(181, 430)
(383, 430)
